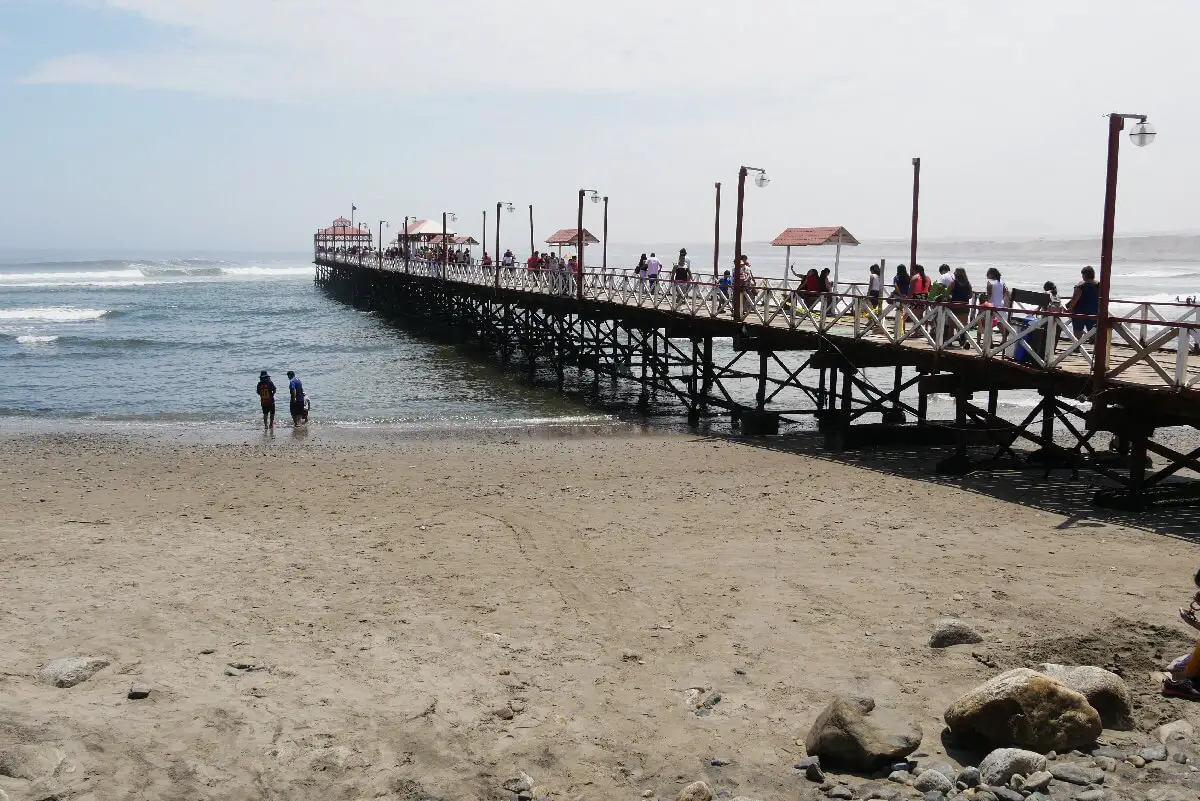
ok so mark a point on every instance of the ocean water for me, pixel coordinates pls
(178, 340)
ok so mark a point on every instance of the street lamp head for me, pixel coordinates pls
(509, 207)
(1142, 134)
(595, 197)
(761, 179)
(451, 216)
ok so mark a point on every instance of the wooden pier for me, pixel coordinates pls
(791, 359)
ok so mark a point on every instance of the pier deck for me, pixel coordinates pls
(788, 347)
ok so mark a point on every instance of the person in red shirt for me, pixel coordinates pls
(534, 262)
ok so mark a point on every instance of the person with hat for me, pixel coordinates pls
(296, 393)
(266, 396)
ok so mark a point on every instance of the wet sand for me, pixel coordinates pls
(431, 616)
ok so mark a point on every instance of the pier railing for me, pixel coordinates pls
(1151, 343)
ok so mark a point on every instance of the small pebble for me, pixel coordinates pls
(207, 651)
(719, 763)
(232, 671)
(138, 692)
(1136, 760)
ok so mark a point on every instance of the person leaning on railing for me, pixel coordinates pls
(1084, 304)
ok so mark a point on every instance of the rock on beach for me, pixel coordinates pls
(950, 631)
(72, 670)
(851, 732)
(1002, 764)
(1105, 691)
(1025, 709)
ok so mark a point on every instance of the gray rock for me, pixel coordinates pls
(1002, 764)
(503, 712)
(1137, 760)
(948, 631)
(811, 768)
(1038, 797)
(841, 792)
(1154, 753)
(1169, 793)
(968, 777)
(852, 733)
(899, 776)
(933, 781)
(1038, 780)
(1110, 752)
(137, 692)
(72, 670)
(1179, 757)
(944, 768)
(696, 791)
(932, 795)
(1105, 763)
(878, 791)
(1025, 709)
(30, 762)
(1176, 730)
(1003, 793)
(984, 795)
(1076, 774)
(1105, 691)
(1090, 795)
(520, 783)
(907, 767)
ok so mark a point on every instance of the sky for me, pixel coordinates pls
(247, 124)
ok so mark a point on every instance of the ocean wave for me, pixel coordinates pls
(55, 314)
(139, 274)
(34, 339)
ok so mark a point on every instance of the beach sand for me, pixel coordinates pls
(432, 616)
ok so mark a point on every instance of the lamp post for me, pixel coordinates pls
(912, 243)
(531, 248)
(717, 233)
(595, 196)
(1141, 135)
(445, 248)
(760, 180)
(380, 247)
(604, 240)
(496, 255)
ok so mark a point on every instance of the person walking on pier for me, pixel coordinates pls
(1084, 304)
(682, 277)
(653, 267)
(266, 397)
(639, 273)
(960, 298)
(997, 297)
(875, 287)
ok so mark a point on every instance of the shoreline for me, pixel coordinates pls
(441, 613)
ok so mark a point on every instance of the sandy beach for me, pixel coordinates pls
(424, 618)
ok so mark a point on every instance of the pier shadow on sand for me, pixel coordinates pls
(1057, 493)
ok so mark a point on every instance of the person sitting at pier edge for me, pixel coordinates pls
(918, 283)
(532, 262)
(875, 287)
(960, 297)
(487, 260)
(1084, 304)
(509, 260)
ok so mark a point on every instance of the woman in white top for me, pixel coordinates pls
(997, 297)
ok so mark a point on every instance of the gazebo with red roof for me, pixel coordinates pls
(814, 237)
(343, 234)
(569, 237)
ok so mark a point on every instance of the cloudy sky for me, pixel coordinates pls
(247, 123)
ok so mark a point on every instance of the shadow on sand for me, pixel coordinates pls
(1057, 493)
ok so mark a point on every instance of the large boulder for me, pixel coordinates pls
(852, 733)
(1002, 764)
(1025, 709)
(1105, 691)
(696, 791)
(72, 670)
